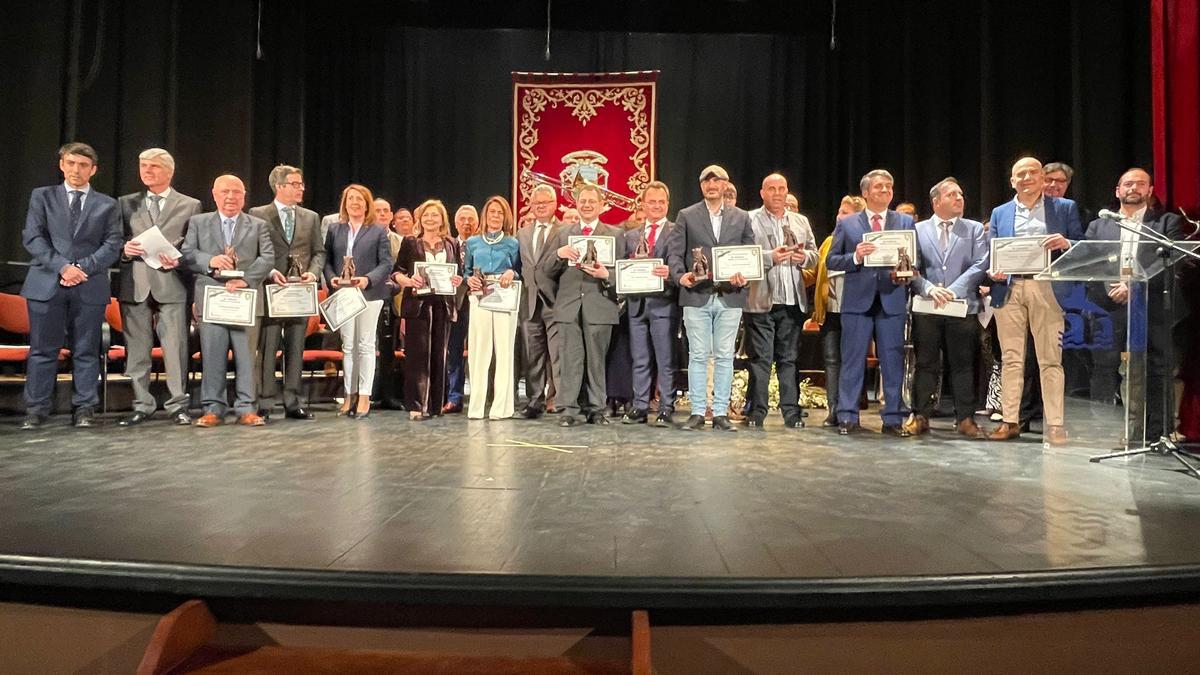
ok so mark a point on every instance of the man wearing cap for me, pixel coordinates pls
(711, 310)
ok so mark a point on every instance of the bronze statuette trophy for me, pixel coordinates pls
(643, 247)
(427, 289)
(903, 272)
(348, 271)
(234, 273)
(484, 289)
(294, 273)
(699, 264)
(590, 258)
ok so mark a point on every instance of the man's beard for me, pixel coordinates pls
(1133, 200)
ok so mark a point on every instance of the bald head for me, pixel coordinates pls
(229, 192)
(1028, 179)
(774, 194)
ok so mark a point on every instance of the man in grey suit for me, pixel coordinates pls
(711, 311)
(537, 311)
(295, 238)
(952, 257)
(154, 300)
(585, 310)
(208, 236)
(777, 304)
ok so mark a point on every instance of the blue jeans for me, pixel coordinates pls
(711, 332)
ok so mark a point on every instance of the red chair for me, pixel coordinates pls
(14, 318)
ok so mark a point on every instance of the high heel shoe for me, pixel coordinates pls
(349, 407)
(359, 413)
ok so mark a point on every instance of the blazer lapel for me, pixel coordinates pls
(141, 220)
(88, 204)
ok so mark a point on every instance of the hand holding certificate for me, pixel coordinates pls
(730, 260)
(342, 306)
(637, 276)
(154, 244)
(604, 246)
(887, 247)
(1019, 255)
(501, 299)
(230, 308)
(291, 300)
(438, 277)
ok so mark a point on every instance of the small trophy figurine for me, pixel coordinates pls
(699, 264)
(903, 272)
(233, 273)
(348, 270)
(590, 257)
(643, 248)
(294, 273)
(427, 289)
(789, 240)
(484, 289)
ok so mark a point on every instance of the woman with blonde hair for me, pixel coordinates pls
(427, 317)
(354, 237)
(496, 254)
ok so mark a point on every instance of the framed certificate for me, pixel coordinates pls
(292, 300)
(606, 247)
(343, 306)
(637, 276)
(1019, 255)
(438, 275)
(729, 260)
(229, 308)
(887, 247)
(502, 299)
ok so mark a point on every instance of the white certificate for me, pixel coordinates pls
(291, 300)
(1019, 255)
(343, 306)
(438, 275)
(502, 299)
(887, 247)
(230, 308)
(729, 260)
(924, 305)
(154, 243)
(606, 247)
(637, 276)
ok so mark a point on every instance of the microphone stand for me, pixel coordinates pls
(1164, 446)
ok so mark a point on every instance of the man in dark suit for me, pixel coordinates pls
(653, 317)
(296, 239)
(711, 310)
(154, 299)
(1026, 304)
(537, 312)
(466, 225)
(872, 305)
(208, 236)
(952, 257)
(73, 234)
(1135, 191)
(585, 311)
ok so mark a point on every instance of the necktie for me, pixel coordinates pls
(227, 228)
(944, 237)
(876, 223)
(76, 208)
(289, 223)
(653, 235)
(539, 238)
(587, 230)
(155, 208)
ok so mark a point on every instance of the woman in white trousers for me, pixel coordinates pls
(496, 255)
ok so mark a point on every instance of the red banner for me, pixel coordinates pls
(585, 127)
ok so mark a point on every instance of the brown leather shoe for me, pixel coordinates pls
(969, 429)
(1056, 435)
(251, 420)
(209, 420)
(451, 408)
(917, 425)
(1005, 431)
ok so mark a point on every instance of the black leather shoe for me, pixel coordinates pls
(722, 423)
(794, 422)
(32, 422)
(895, 430)
(830, 421)
(752, 422)
(83, 418)
(181, 418)
(299, 414)
(133, 420)
(265, 414)
(664, 421)
(531, 413)
(635, 416)
(598, 418)
(847, 428)
(569, 421)
(693, 423)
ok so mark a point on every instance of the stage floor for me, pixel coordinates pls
(517, 497)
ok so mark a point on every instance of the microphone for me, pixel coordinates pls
(1111, 215)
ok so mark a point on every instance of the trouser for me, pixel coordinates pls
(140, 327)
(358, 350)
(712, 333)
(48, 323)
(216, 341)
(491, 338)
(774, 337)
(1031, 307)
(831, 352)
(291, 332)
(456, 362)
(425, 338)
(651, 339)
(958, 339)
(541, 359)
(583, 349)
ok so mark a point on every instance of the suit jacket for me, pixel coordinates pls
(659, 305)
(1103, 229)
(412, 251)
(575, 292)
(861, 283)
(1062, 217)
(961, 269)
(306, 244)
(52, 243)
(693, 229)
(137, 280)
(205, 239)
(764, 235)
(529, 261)
(372, 257)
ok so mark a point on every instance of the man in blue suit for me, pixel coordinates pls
(1023, 303)
(73, 235)
(653, 317)
(952, 256)
(872, 304)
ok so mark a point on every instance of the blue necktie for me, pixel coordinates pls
(227, 227)
(76, 209)
(289, 223)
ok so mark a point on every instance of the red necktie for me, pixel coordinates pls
(876, 223)
(653, 234)
(587, 231)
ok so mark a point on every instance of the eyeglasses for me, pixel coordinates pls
(299, 185)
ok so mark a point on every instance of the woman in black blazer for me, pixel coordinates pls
(355, 236)
(427, 318)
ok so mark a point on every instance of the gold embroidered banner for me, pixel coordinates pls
(594, 127)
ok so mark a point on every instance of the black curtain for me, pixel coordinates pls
(416, 102)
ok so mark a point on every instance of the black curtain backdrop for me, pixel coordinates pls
(416, 101)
